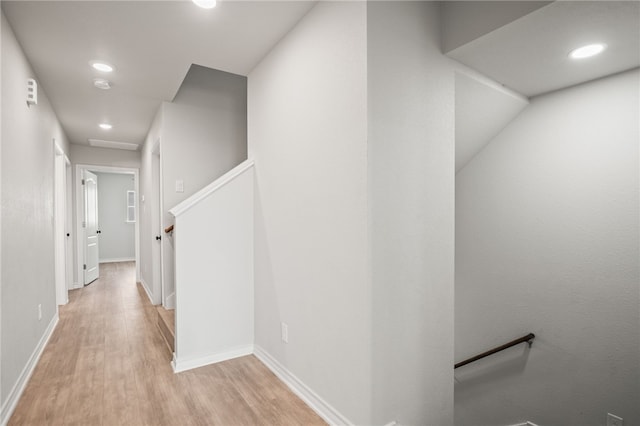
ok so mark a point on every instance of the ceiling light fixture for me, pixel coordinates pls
(101, 66)
(587, 51)
(101, 83)
(205, 4)
(105, 126)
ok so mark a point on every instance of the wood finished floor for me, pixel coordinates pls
(106, 364)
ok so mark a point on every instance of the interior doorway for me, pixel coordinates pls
(62, 222)
(156, 225)
(116, 222)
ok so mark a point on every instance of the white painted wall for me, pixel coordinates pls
(117, 236)
(547, 241)
(411, 172)
(27, 219)
(308, 137)
(214, 272)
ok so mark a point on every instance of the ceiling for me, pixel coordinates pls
(529, 54)
(152, 44)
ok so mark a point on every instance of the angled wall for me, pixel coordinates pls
(547, 241)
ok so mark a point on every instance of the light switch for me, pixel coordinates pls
(180, 185)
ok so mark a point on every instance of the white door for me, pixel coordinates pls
(91, 231)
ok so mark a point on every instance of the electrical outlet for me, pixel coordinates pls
(39, 311)
(613, 420)
(284, 331)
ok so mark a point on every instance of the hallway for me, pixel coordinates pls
(106, 364)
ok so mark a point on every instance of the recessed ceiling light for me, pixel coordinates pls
(205, 4)
(101, 83)
(587, 51)
(105, 126)
(101, 66)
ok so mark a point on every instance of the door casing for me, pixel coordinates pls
(79, 206)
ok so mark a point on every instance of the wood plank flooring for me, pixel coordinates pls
(106, 364)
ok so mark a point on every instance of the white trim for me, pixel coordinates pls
(180, 365)
(304, 392)
(118, 259)
(525, 424)
(60, 219)
(211, 188)
(146, 289)
(15, 394)
(392, 423)
(170, 301)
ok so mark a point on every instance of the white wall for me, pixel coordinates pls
(411, 171)
(214, 272)
(547, 241)
(117, 236)
(308, 137)
(27, 217)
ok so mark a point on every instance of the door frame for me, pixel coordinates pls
(61, 168)
(80, 168)
(157, 218)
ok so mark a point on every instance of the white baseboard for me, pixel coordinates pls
(180, 365)
(146, 289)
(16, 392)
(118, 259)
(170, 301)
(315, 402)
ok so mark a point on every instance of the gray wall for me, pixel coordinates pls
(117, 237)
(27, 213)
(411, 171)
(307, 127)
(547, 241)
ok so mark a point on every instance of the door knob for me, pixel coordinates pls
(158, 237)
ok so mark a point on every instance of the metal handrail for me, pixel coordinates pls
(528, 338)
